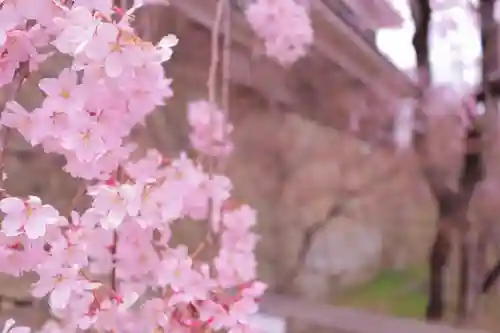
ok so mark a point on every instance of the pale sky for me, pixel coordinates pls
(459, 48)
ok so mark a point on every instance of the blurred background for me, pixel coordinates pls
(376, 187)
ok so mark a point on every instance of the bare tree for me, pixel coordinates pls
(452, 204)
(489, 91)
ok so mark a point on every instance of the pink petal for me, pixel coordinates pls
(114, 64)
(20, 329)
(35, 228)
(48, 214)
(113, 219)
(59, 297)
(12, 205)
(50, 86)
(108, 32)
(41, 288)
(67, 78)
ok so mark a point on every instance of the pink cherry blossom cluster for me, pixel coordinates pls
(210, 129)
(19, 45)
(112, 267)
(284, 26)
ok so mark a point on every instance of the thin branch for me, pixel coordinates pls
(214, 56)
(212, 93)
(491, 278)
(489, 47)
(113, 278)
(226, 74)
(421, 12)
(226, 60)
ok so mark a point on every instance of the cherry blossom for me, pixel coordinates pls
(103, 6)
(63, 92)
(14, 115)
(112, 265)
(211, 129)
(284, 26)
(30, 217)
(60, 283)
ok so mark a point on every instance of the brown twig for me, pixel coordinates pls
(214, 56)
(121, 177)
(212, 89)
(198, 250)
(212, 71)
(226, 59)
(226, 73)
(113, 270)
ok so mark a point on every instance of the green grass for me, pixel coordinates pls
(398, 293)
(402, 294)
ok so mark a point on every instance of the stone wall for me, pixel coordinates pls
(293, 171)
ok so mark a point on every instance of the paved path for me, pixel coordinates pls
(349, 320)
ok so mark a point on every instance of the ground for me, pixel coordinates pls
(402, 293)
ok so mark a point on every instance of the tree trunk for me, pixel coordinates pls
(453, 207)
(473, 270)
(489, 44)
(472, 173)
(466, 295)
(489, 65)
(438, 260)
(441, 248)
(491, 278)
